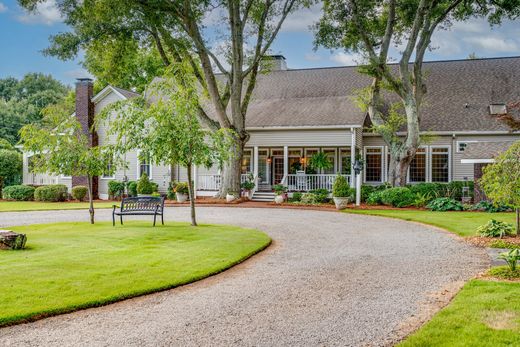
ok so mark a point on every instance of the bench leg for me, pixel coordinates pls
(162, 218)
(154, 218)
(113, 219)
(121, 219)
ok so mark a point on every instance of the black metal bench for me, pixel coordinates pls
(140, 206)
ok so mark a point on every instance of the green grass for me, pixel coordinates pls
(13, 206)
(484, 313)
(504, 272)
(69, 266)
(461, 223)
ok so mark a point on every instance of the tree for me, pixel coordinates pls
(10, 166)
(177, 29)
(168, 130)
(370, 28)
(501, 180)
(60, 146)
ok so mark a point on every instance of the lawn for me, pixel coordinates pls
(69, 266)
(484, 313)
(12, 206)
(461, 223)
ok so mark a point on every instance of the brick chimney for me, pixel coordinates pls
(85, 116)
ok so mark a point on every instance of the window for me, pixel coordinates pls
(246, 162)
(145, 167)
(417, 170)
(107, 174)
(308, 155)
(440, 164)
(373, 164)
(346, 161)
(331, 155)
(461, 145)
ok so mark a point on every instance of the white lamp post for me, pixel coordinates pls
(358, 167)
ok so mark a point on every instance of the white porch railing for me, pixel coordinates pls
(308, 182)
(41, 179)
(213, 182)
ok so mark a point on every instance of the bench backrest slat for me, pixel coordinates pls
(148, 203)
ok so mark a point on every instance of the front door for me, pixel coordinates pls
(277, 170)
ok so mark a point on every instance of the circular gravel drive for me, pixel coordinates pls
(328, 279)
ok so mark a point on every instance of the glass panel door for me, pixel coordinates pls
(277, 170)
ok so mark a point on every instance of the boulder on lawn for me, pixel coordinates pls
(12, 240)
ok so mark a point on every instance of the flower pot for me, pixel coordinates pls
(247, 194)
(181, 197)
(341, 203)
(230, 197)
(279, 199)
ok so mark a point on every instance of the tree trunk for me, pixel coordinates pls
(1, 186)
(231, 170)
(517, 221)
(192, 197)
(90, 199)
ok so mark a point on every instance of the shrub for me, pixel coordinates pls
(512, 257)
(366, 190)
(375, 198)
(182, 188)
(296, 197)
(504, 272)
(155, 187)
(428, 191)
(309, 198)
(454, 189)
(322, 195)
(279, 189)
(156, 194)
(397, 197)
(144, 186)
(79, 192)
(171, 190)
(18, 193)
(488, 206)
(53, 193)
(495, 228)
(249, 183)
(421, 200)
(116, 189)
(503, 244)
(132, 188)
(445, 204)
(341, 188)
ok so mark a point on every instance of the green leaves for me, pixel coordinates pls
(512, 257)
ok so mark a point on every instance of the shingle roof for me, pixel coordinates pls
(485, 150)
(127, 93)
(459, 93)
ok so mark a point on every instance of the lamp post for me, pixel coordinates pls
(358, 167)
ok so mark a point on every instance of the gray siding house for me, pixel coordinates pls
(296, 113)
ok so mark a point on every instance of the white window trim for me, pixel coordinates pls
(139, 168)
(335, 149)
(382, 164)
(250, 150)
(427, 168)
(340, 162)
(463, 141)
(430, 161)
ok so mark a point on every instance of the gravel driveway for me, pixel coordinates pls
(328, 279)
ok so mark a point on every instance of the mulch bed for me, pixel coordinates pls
(486, 241)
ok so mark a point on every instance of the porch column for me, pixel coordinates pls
(255, 161)
(285, 161)
(352, 157)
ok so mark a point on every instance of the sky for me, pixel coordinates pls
(23, 35)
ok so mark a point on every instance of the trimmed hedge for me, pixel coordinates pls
(398, 197)
(18, 193)
(116, 189)
(52, 193)
(79, 192)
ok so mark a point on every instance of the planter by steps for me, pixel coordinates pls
(341, 203)
(12, 240)
(181, 197)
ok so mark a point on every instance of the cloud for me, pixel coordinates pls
(493, 43)
(347, 59)
(46, 12)
(78, 73)
(312, 57)
(302, 19)
(3, 8)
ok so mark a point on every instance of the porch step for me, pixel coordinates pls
(263, 196)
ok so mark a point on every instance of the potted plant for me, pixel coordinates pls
(248, 186)
(181, 191)
(341, 192)
(144, 186)
(279, 191)
(320, 161)
(231, 196)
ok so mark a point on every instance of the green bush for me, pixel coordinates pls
(171, 190)
(341, 188)
(18, 193)
(375, 198)
(512, 257)
(116, 189)
(279, 189)
(397, 197)
(322, 195)
(79, 192)
(454, 189)
(144, 186)
(296, 197)
(156, 194)
(428, 191)
(366, 190)
(445, 204)
(495, 228)
(309, 198)
(421, 200)
(488, 206)
(155, 187)
(132, 188)
(182, 188)
(53, 193)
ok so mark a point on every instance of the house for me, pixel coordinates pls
(296, 113)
